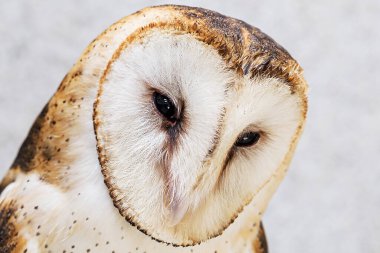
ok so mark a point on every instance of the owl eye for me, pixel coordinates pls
(165, 106)
(247, 139)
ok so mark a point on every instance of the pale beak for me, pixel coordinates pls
(177, 210)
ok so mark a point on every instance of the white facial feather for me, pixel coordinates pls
(163, 198)
(196, 76)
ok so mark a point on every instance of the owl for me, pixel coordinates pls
(170, 134)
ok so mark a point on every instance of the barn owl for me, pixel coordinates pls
(170, 134)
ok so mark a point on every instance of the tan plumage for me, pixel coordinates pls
(56, 178)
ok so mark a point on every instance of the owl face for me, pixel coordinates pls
(185, 141)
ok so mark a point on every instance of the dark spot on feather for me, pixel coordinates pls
(8, 232)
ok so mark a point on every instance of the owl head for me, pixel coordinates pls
(196, 117)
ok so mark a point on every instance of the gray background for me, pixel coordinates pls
(330, 200)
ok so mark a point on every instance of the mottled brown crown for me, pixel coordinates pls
(245, 48)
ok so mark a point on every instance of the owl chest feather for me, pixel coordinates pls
(85, 220)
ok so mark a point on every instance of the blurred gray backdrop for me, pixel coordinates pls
(330, 200)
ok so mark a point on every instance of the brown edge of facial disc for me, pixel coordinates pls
(244, 48)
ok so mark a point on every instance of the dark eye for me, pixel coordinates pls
(165, 106)
(247, 139)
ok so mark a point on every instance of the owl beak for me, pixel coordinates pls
(177, 211)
